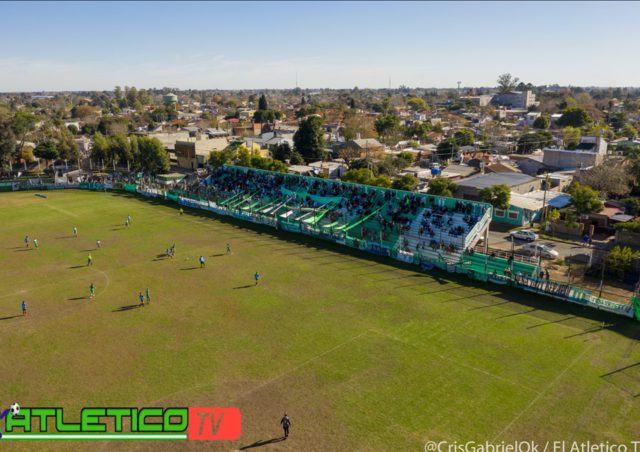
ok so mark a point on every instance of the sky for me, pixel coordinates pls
(49, 46)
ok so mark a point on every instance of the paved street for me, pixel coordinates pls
(502, 240)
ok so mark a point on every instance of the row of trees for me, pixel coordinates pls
(140, 153)
(240, 155)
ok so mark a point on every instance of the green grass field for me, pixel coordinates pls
(363, 353)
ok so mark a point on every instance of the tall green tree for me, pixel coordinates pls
(386, 125)
(585, 199)
(571, 137)
(7, 142)
(442, 186)
(447, 148)
(541, 122)
(309, 139)
(46, 150)
(100, 150)
(574, 117)
(154, 158)
(408, 182)
(23, 123)
(507, 83)
(262, 103)
(499, 196)
(219, 158)
(464, 137)
(417, 104)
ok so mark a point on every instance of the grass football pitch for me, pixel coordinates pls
(363, 353)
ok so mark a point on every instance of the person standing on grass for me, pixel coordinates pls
(141, 297)
(181, 211)
(129, 219)
(26, 241)
(148, 296)
(24, 308)
(126, 223)
(92, 291)
(89, 260)
(286, 423)
(75, 232)
(98, 244)
(257, 277)
(35, 243)
(228, 248)
(201, 261)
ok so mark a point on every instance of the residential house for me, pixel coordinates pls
(590, 152)
(368, 147)
(332, 170)
(524, 209)
(520, 183)
(515, 99)
(195, 153)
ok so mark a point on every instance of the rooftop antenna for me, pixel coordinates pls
(459, 88)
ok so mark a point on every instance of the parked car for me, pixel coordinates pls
(539, 249)
(524, 234)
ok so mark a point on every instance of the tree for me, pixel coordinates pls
(281, 151)
(574, 117)
(358, 176)
(507, 83)
(464, 137)
(553, 215)
(442, 186)
(408, 182)
(617, 120)
(66, 144)
(381, 181)
(349, 154)
(355, 125)
(7, 142)
(610, 179)
(154, 158)
(262, 103)
(219, 158)
(585, 199)
(541, 122)
(418, 130)
(628, 131)
(499, 196)
(447, 148)
(417, 104)
(120, 149)
(46, 150)
(309, 139)
(571, 137)
(100, 149)
(620, 260)
(23, 123)
(296, 158)
(387, 124)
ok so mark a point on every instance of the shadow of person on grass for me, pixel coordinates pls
(264, 442)
(10, 317)
(76, 298)
(190, 268)
(126, 308)
(244, 287)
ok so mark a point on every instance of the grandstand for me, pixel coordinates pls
(411, 227)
